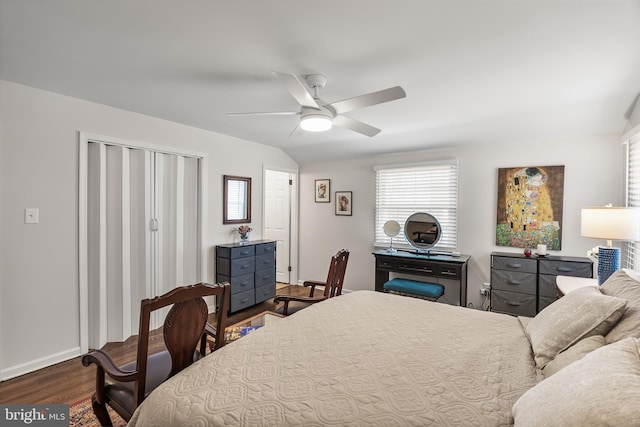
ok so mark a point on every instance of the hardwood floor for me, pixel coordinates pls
(69, 382)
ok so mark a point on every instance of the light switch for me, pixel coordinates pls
(31, 215)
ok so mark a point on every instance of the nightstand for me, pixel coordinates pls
(566, 284)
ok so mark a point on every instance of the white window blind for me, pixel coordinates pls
(633, 197)
(402, 190)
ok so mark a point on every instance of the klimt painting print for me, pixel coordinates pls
(530, 206)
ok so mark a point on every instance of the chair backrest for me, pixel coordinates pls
(337, 269)
(183, 327)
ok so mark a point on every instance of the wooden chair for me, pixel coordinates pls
(332, 287)
(125, 387)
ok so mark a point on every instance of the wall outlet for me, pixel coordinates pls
(486, 288)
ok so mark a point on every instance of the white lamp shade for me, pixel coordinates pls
(610, 223)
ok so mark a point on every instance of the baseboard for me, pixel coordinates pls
(34, 365)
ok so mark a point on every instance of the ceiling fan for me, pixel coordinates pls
(317, 115)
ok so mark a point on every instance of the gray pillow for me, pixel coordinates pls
(624, 284)
(579, 314)
(573, 353)
(603, 388)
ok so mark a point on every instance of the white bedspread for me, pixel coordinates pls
(361, 359)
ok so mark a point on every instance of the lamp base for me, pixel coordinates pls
(608, 262)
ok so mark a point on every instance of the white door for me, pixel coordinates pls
(277, 219)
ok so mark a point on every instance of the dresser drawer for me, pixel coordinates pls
(514, 281)
(241, 266)
(265, 277)
(524, 265)
(239, 283)
(265, 248)
(513, 303)
(563, 268)
(386, 263)
(547, 286)
(267, 260)
(235, 252)
(263, 293)
(449, 271)
(545, 302)
(418, 267)
(242, 300)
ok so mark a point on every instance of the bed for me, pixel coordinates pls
(373, 359)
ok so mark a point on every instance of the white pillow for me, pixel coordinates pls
(603, 388)
(579, 314)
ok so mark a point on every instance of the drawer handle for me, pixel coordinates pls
(244, 252)
(448, 273)
(244, 300)
(266, 276)
(515, 265)
(514, 283)
(514, 304)
(565, 269)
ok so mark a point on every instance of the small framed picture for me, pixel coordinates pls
(323, 191)
(343, 203)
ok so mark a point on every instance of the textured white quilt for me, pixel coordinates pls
(360, 359)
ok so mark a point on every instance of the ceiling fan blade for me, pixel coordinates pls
(296, 131)
(274, 113)
(297, 89)
(355, 125)
(372, 98)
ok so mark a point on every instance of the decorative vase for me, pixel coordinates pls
(244, 237)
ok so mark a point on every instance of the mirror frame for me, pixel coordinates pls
(247, 207)
(425, 218)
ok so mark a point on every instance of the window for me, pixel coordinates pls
(633, 197)
(402, 190)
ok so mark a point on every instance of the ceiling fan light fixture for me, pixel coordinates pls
(316, 123)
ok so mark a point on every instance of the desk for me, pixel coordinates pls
(446, 270)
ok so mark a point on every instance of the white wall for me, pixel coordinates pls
(594, 175)
(39, 319)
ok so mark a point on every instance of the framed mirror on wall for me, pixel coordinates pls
(237, 200)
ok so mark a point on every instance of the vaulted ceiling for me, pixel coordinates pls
(474, 71)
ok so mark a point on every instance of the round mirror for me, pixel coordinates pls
(391, 228)
(422, 231)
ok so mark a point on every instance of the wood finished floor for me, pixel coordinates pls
(69, 382)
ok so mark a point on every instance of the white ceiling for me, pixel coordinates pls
(474, 71)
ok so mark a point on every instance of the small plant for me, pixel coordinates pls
(593, 253)
(244, 229)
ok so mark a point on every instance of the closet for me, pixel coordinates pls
(143, 232)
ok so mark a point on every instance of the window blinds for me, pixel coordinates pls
(402, 190)
(633, 196)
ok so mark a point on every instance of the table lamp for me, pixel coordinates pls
(610, 223)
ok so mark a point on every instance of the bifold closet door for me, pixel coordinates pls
(143, 233)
